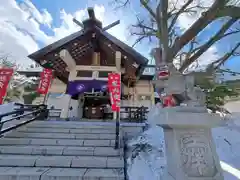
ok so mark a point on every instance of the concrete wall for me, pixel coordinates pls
(57, 86)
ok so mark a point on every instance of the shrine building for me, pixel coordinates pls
(81, 63)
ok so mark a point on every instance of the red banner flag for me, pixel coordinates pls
(45, 81)
(5, 77)
(114, 86)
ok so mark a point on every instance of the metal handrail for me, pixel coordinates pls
(117, 138)
(137, 114)
(39, 111)
(20, 116)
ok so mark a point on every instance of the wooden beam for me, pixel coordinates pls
(78, 23)
(96, 68)
(111, 25)
(67, 58)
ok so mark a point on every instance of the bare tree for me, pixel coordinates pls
(162, 23)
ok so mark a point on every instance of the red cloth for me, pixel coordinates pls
(5, 77)
(45, 82)
(168, 101)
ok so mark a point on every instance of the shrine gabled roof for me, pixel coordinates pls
(64, 41)
(82, 44)
(40, 53)
(137, 56)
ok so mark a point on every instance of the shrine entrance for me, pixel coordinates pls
(93, 97)
(97, 105)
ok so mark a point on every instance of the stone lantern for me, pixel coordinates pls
(190, 149)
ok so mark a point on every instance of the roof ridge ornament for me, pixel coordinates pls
(91, 15)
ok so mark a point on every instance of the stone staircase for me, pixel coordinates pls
(61, 150)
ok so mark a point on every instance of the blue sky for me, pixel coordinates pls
(41, 22)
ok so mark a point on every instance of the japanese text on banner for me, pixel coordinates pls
(5, 77)
(114, 86)
(45, 81)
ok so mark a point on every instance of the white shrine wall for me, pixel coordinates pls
(143, 94)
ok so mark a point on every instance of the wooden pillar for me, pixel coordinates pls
(118, 61)
(96, 59)
(67, 58)
(71, 65)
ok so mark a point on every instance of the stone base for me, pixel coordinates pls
(65, 109)
(191, 155)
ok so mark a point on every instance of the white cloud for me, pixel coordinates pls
(43, 18)
(20, 31)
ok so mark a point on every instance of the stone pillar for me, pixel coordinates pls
(65, 109)
(190, 149)
(118, 56)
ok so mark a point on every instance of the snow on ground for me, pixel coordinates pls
(147, 158)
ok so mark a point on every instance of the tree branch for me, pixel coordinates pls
(218, 36)
(174, 20)
(144, 31)
(223, 59)
(145, 5)
(231, 11)
(121, 3)
(198, 26)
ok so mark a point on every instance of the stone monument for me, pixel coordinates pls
(190, 149)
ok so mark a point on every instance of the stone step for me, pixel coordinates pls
(61, 161)
(24, 173)
(101, 136)
(61, 150)
(57, 142)
(71, 125)
(62, 130)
